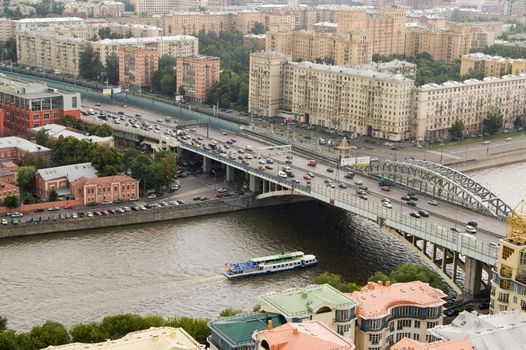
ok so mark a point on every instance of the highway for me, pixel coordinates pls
(444, 215)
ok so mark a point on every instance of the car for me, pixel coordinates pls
(385, 188)
(342, 185)
(487, 142)
(331, 185)
(105, 212)
(363, 196)
(349, 175)
(471, 229)
(386, 200)
(413, 197)
(106, 203)
(69, 206)
(14, 221)
(307, 177)
(363, 187)
(311, 174)
(97, 104)
(221, 190)
(387, 205)
(433, 202)
(261, 161)
(415, 214)
(411, 203)
(118, 201)
(197, 198)
(53, 209)
(423, 213)
(4, 221)
(454, 229)
(204, 199)
(269, 161)
(330, 170)
(269, 166)
(472, 223)
(152, 196)
(39, 210)
(405, 198)
(89, 214)
(358, 183)
(358, 191)
(92, 204)
(508, 139)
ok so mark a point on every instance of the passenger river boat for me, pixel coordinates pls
(270, 264)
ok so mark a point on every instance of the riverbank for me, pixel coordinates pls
(490, 161)
(215, 206)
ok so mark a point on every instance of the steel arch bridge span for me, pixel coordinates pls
(442, 182)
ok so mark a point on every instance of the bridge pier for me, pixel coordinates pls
(230, 173)
(472, 276)
(206, 164)
(254, 184)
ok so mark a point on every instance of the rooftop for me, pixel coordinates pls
(56, 130)
(375, 300)
(504, 331)
(147, 40)
(22, 144)
(309, 335)
(326, 24)
(108, 179)
(50, 20)
(460, 344)
(72, 172)
(482, 56)
(237, 330)
(487, 80)
(27, 90)
(6, 186)
(305, 301)
(387, 65)
(161, 338)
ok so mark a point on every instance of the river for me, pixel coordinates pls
(174, 268)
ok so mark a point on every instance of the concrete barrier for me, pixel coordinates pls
(215, 206)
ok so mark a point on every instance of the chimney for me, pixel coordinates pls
(370, 285)
(380, 283)
(269, 325)
(388, 283)
(295, 331)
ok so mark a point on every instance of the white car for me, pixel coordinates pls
(387, 205)
(4, 222)
(470, 229)
(282, 174)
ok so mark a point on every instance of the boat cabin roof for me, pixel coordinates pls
(287, 255)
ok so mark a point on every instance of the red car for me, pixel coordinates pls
(69, 207)
(307, 177)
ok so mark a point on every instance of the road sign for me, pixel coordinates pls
(363, 161)
(348, 161)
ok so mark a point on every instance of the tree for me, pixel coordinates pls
(42, 138)
(50, 333)
(10, 49)
(258, 28)
(86, 333)
(456, 131)
(89, 64)
(53, 195)
(163, 79)
(24, 178)
(196, 327)
(28, 198)
(229, 312)
(112, 68)
(337, 282)
(3, 323)
(104, 33)
(8, 341)
(379, 276)
(11, 201)
(168, 166)
(518, 123)
(416, 272)
(493, 122)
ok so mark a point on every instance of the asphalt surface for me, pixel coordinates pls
(448, 215)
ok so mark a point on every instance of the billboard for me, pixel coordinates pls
(348, 161)
(363, 161)
(106, 92)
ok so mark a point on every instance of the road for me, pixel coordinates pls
(444, 215)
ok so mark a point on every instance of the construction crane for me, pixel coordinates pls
(516, 224)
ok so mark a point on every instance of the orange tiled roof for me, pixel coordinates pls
(410, 344)
(309, 335)
(375, 300)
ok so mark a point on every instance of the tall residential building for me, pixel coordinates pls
(360, 101)
(176, 46)
(307, 335)
(387, 313)
(508, 286)
(491, 66)
(445, 45)
(342, 49)
(40, 24)
(192, 23)
(407, 69)
(137, 65)
(385, 28)
(196, 75)
(50, 51)
(436, 106)
(316, 302)
(7, 27)
(29, 105)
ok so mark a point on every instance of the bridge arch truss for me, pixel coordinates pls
(441, 182)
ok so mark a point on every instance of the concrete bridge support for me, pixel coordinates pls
(254, 184)
(473, 277)
(206, 164)
(230, 173)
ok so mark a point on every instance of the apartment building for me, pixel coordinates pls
(105, 189)
(436, 106)
(92, 9)
(316, 302)
(42, 24)
(441, 44)
(308, 335)
(492, 66)
(154, 338)
(29, 105)
(176, 46)
(196, 75)
(508, 285)
(279, 22)
(387, 313)
(7, 29)
(384, 27)
(342, 49)
(137, 65)
(407, 69)
(49, 51)
(361, 101)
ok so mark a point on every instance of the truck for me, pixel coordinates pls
(385, 182)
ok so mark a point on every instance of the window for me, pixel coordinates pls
(417, 324)
(403, 323)
(375, 338)
(431, 324)
(375, 324)
(36, 116)
(46, 115)
(74, 102)
(506, 252)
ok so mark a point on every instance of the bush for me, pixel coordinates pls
(337, 282)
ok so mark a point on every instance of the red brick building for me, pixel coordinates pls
(137, 65)
(60, 178)
(29, 105)
(196, 75)
(7, 189)
(105, 189)
(13, 149)
(7, 176)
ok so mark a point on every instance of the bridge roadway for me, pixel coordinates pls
(444, 215)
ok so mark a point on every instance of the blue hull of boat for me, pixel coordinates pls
(258, 273)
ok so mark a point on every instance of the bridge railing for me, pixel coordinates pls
(465, 244)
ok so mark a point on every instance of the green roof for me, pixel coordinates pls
(306, 301)
(237, 330)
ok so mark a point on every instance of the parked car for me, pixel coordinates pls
(415, 214)
(423, 213)
(433, 202)
(387, 205)
(472, 223)
(411, 203)
(471, 229)
(342, 185)
(152, 196)
(330, 170)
